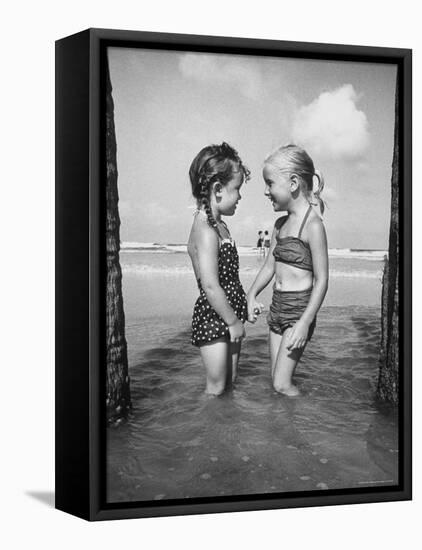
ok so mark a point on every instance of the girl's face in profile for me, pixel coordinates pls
(277, 187)
(229, 195)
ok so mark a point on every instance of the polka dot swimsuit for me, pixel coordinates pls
(207, 325)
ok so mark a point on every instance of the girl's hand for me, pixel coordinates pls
(254, 309)
(298, 335)
(237, 331)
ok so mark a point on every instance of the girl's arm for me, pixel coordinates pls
(266, 272)
(207, 247)
(318, 243)
(264, 276)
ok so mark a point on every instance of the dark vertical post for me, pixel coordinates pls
(388, 389)
(117, 379)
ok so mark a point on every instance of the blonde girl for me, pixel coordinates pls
(298, 259)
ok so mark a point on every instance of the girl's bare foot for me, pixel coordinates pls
(290, 391)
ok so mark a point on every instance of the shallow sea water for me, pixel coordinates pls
(179, 443)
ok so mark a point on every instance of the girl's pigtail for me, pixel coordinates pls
(206, 203)
(318, 191)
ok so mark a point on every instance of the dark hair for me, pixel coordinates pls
(266, 232)
(213, 163)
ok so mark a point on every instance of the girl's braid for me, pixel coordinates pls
(205, 201)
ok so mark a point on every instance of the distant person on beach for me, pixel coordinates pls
(260, 242)
(217, 175)
(267, 242)
(298, 257)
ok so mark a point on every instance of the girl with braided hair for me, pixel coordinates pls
(298, 258)
(217, 175)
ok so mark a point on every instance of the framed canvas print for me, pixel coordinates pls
(233, 274)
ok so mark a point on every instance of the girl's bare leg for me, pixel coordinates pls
(284, 367)
(274, 341)
(234, 354)
(215, 357)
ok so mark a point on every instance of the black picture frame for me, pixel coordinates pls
(80, 266)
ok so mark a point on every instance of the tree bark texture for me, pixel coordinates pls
(117, 380)
(388, 378)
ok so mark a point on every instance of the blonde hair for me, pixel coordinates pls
(292, 158)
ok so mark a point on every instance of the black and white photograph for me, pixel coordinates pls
(209, 315)
(252, 298)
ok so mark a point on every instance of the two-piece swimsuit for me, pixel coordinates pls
(207, 325)
(287, 307)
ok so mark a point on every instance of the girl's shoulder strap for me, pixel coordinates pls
(305, 217)
(223, 239)
(280, 222)
(223, 223)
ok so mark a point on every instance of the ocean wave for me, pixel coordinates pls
(356, 253)
(356, 274)
(145, 269)
(170, 271)
(152, 247)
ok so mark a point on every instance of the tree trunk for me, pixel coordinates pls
(388, 387)
(117, 383)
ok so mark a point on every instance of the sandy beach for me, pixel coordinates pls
(178, 443)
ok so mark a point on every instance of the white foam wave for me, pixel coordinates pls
(147, 270)
(362, 254)
(133, 244)
(377, 255)
(152, 247)
(356, 274)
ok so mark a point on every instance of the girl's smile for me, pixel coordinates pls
(277, 187)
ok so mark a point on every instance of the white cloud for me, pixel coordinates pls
(332, 125)
(216, 70)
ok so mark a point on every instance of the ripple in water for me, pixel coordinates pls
(179, 443)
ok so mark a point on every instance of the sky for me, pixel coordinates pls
(169, 105)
